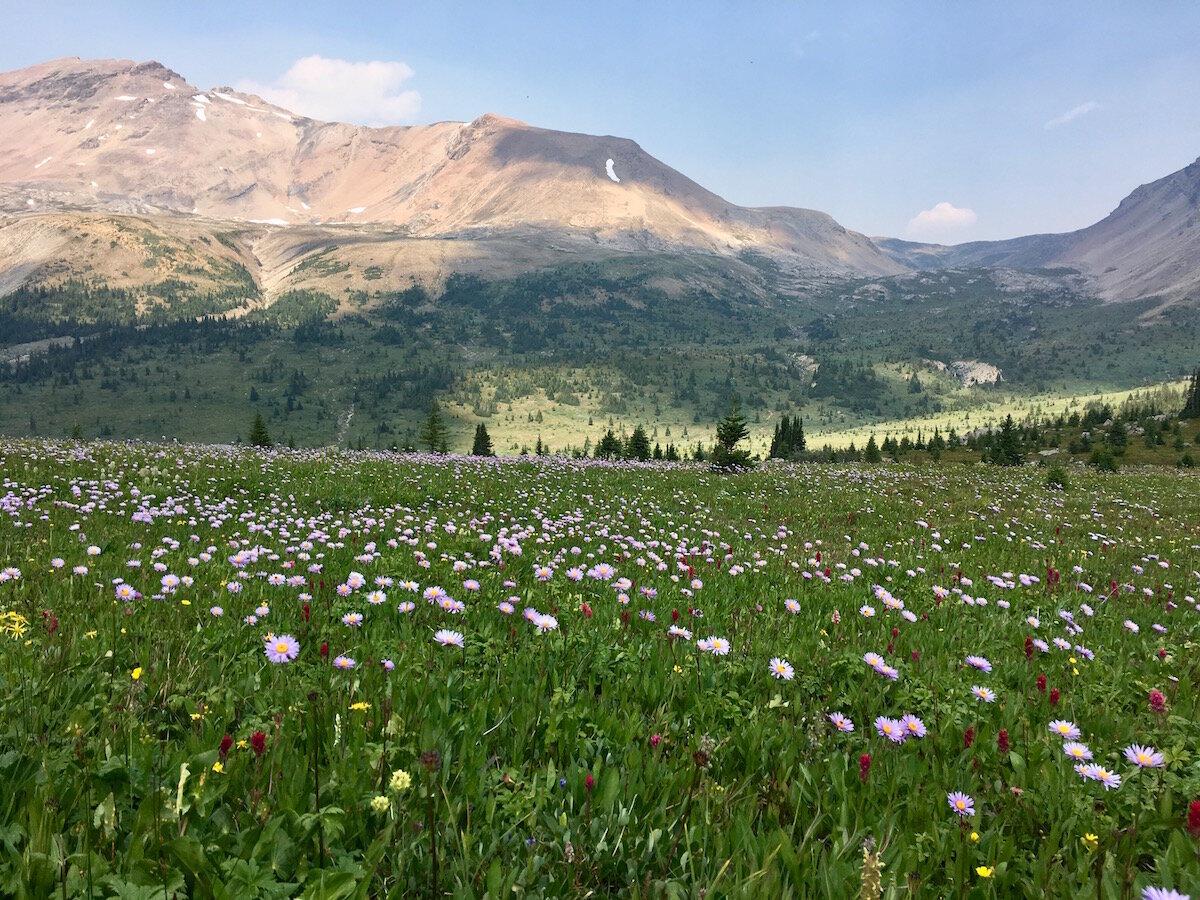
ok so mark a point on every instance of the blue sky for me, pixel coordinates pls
(937, 121)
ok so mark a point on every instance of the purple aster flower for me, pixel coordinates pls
(282, 648)
(1066, 730)
(840, 722)
(961, 803)
(890, 729)
(1145, 757)
(1161, 893)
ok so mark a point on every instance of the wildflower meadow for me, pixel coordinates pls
(247, 674)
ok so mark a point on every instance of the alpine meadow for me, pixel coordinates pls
(400, 500)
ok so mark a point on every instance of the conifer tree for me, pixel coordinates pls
(1191, 405)
(731, 431)
(259, 436)
(871, 452)
(1006, 446)
(433, 432)
(483, 442)
(609, 446)
(638, 446)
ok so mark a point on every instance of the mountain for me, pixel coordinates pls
(82, 141)
(1148, 246)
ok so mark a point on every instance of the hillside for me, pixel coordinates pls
(1147, 246)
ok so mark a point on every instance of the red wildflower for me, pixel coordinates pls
(1054, 696)
(305, 613)
(1041, 683)
(969, 737)
(226, 743)
(655, 740)
(864, 766)
(1193, 825)
(1029, 648)
(258, 743)
(1002, 740)
(589, 782)
(1158, 702)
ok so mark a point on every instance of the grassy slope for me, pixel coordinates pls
(668, 342)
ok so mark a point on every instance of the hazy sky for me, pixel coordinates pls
(936, 121)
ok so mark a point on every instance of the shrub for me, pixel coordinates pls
(1056, 477)
(1103, 459)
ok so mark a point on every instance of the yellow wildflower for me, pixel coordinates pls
(1090, 841)
(380, 803)
(136, 673)
(399, 782)
(360, 706)
(984, 871)
(218, 768)
(974, 835)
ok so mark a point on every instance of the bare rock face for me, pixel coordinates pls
(113, 136)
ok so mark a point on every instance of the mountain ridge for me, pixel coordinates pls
(1142, 248)
(136, 138)
(119, 138)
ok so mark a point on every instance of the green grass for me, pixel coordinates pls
(600, 756)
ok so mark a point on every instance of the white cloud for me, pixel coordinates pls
(1072, 114)
(940, 222)
(359, 93)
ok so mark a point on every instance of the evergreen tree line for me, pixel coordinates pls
(788, 442)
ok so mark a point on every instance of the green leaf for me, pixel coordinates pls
(189, 853)
(330, 885)
(609, 788)
(1017, 761)
(495, 878)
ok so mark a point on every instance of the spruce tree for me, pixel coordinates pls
(731, 431)
(638, 446)
(1191, 404)
(1006, 446)
(259, 436)
(433, 432)
(871, 453)
(788, 439)
(609, 446)
(483, 442)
